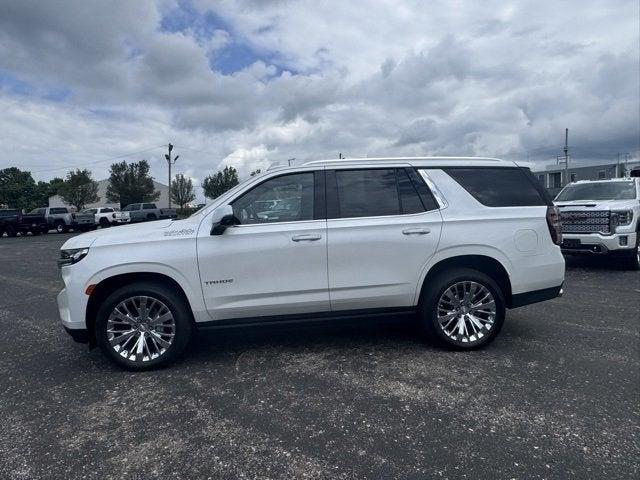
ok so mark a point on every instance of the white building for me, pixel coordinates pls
(163, 200)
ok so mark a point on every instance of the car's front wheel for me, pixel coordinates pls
(143, 326)
(633, 261)
(462, 309)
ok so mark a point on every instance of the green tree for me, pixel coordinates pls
(44, 190)
(216, 185)
(131, 183)
(79, 189)
(182, 190)
(18, 189)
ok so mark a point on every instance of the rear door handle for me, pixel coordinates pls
(306, 238)
(416, 231)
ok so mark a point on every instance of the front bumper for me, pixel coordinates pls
(595, 243)
(68, 318)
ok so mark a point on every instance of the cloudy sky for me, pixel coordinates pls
(251, 83)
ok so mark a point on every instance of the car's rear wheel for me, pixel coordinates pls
(143, 326)
(463, 309)
(61, 227)
(104, 223)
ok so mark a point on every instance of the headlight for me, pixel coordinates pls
(622, 217)
(71, 256)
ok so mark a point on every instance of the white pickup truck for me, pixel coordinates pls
(601, 217)
(107, 216)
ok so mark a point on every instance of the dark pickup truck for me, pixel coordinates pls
(13, 221)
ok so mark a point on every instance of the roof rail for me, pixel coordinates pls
(401, 159)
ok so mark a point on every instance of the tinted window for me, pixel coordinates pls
(8, 213)
(367, 193)
(149, 206)
(288, 198)
(58, 210)
(90, 210)
(107, 210)
(498, 187)
(409, 199)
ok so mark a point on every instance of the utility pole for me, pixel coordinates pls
(170, 162)
(619, 172)
(566, 156)
(565, 159)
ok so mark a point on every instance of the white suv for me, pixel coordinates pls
(454, 240)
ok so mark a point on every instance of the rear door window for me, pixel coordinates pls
(500, 187)
(58, 210)
(149, 206)
(367, 193)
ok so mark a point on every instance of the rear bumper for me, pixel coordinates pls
(535, 296)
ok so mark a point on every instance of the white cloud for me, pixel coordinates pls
(88, 80)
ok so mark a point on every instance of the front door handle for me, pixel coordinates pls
(306, 238)
(416, 231)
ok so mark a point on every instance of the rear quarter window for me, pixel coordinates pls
(500, 187)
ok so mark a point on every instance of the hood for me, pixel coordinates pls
(137, 232)
(598, 204)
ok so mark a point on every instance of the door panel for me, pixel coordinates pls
(266, 269)
(275, 262)
(376, 262)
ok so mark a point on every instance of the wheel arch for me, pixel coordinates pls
(483, 263)
(106, 286)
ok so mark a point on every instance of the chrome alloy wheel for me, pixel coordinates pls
(141, 328)
(466, 311)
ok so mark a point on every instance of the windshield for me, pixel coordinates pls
(598, 191)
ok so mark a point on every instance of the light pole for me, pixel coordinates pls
(170, 162)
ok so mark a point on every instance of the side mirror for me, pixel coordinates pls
(223, 218)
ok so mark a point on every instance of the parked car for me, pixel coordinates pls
(602, 218)
(144, 212)
(62, 219)
(453, 241)
(13, 221)
(107, 216)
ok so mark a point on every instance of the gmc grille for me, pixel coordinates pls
(586, 222)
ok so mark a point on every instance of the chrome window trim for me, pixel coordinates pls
(442, 202)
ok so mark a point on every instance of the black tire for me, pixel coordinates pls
(11, 231)
(61, 227)
(35, 232)
(151, 217)
(633, 260)
(104, 223)
(428, 313)
(177, 307)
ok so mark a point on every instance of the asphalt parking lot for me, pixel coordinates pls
(555, 396)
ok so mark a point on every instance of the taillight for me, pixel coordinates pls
(553, 221)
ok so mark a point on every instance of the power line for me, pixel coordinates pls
(100, 161)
